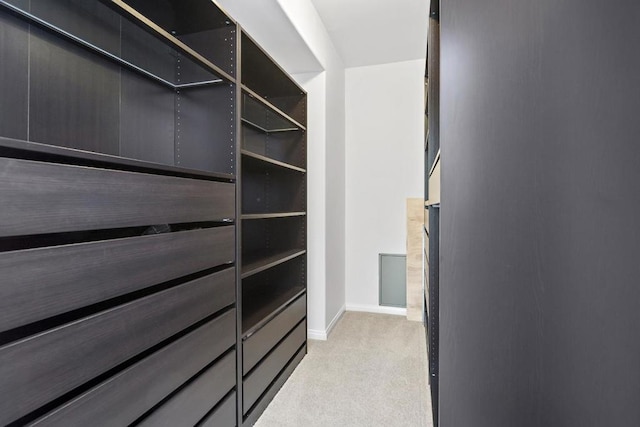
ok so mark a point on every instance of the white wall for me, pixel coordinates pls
(335, 193)
(305, 19)
(384, 166)
(315, 85)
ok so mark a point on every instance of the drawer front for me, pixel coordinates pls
(73, 276)
(259, 379)
(192, 403)
(39, 368)
(259, 407)
(257, 345)
(128, 395)
(224, 415)
(40, 197)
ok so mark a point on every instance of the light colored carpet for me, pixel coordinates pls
(372, 371)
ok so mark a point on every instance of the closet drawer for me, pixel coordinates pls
(224, 415)
(122, 399)
(257, 345)
(39, 368)
(261, 405)
(62, 278)
(192, 403)
(40, 197)
(259, 379)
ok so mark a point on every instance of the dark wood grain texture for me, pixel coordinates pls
(128, 395)
(14, 66)
(255, 263)
(267, 189)
(262, 404)
(88, 273)
(192, 403)
(217, 45)
(257, 345)
(539, 266)
(49, 198)
(91, 21)
(205, 128)
(39, 368)
(147, 120)
(73, 96)
(224, 415)
(259, 379)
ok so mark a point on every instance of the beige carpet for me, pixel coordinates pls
(371, 372)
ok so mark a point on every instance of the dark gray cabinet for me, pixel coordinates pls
(432, 168)
(124, 299)
(539, 272)
(273, 228)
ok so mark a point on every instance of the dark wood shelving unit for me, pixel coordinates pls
(268, 309)
(432, 165)
(254, 263)
(273, 162)
(118, 145)
(273, 215)
(153, 215)
(273, 218)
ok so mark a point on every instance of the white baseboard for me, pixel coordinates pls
(320, 335)
(316, 334)
(396, 311)
(335, 319)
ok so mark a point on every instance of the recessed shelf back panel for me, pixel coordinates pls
(267, 189)
(262, 75)
(273, 234)
(259, 116)
(287, 147)
(264, 294)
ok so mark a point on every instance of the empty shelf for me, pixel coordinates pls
(255, 263)
(273, 215)
(271, 161)
(254, 102)
(254, 317)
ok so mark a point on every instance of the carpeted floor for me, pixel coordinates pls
(372, 371)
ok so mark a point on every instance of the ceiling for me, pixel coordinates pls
(267, 23)
(364, 32)
(369, 32)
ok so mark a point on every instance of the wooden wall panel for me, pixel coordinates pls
(415, 228)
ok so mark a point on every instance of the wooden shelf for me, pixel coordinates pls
(273, 215)
(256, 317)
(271, 161)
(216, 74)
(272, 107)
(43, 152)
(256, 263)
